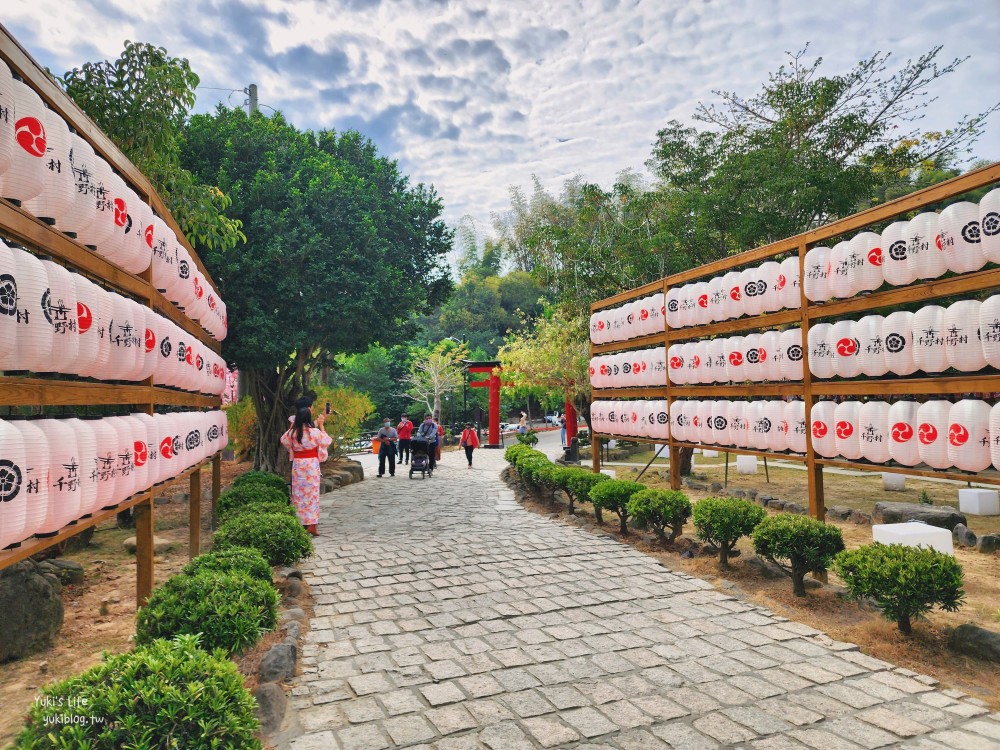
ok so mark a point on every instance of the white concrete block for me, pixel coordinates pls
(979, 502)
(914, 534)
(893, 482)
(697, 450)
(609, 472)
(746, 464)
(710, 454)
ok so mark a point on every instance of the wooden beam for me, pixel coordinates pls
(194, 515)
(737, 390)
(982, 477)
(29, 391)
(945, 385)
(641, 342)
(798, 457)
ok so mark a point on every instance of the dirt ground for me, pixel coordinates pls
(100, 612)
(926, 651)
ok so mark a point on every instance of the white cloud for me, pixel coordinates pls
(474, 95)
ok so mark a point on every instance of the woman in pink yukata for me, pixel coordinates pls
(306, 443)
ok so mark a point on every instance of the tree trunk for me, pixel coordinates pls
(723, 555)
(903, 621)
(273, 404)
(686, 454)
(623, 526)
(798, 582)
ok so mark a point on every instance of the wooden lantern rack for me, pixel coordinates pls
(21, 227)
(809, 389)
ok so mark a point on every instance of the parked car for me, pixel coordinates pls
(552, 419)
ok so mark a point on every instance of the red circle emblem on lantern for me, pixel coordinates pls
(695, 361)
(735, 359)
(695, 421)
(149, 235)
(30, 134)
(600, 325)
(703, 300)
(676, 363)
(875, 256)
(761, 355)
(734, 293)
(784, 426)
(199, 290)
(781, 282)
(141, 453)
(591, 372)
(644, 314)
(958, 435)
(927, 433)
(167, 447)
(902, 432)
(211, 302)
(937, 241)
(150, 339)
(844, 430)
(604, 369)
(84, 318)
(819, 429)
(847, 347)
(189, 356)
(121, 212)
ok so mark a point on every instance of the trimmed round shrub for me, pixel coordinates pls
(281, 539)
(262, 478)
(167, 694)
(256, 508)
(229, 611)
(661, 510)
(535, 470)
(579, 483)
(798, 545)
(528, 438)
(512, 452)
(904, 582)
(721, 521)
(232, 560)
(251, 494)
(614, 495)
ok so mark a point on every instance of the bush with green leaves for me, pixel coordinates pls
(281, 539)
(167, 694)
(247, 495)
(579, 483)
(721, 521)
(232, 560)
(535, 470)
(256, 508)
(614, 495)
(904, 582)
(661, 510)
(512, 452)
(528, 438)
(229, 611)
(798, 545)
(265, 478)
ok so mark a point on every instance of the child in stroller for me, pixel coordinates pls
(421, 458)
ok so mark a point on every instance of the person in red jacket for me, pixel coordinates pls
(470, 441)
(405, 431)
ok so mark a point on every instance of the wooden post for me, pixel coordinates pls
(143, 512)
(216, 485)
(194, 515)
(595, 453)
(814, 471)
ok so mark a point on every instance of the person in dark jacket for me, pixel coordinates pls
(387, 436)
(428, 431)
(405, 431)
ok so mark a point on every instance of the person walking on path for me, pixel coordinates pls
(306, 443)
(429, 431)
(405, 431)
(522, 424)
(387, 437)
(470, 441)
(440, 440)
(562, 429)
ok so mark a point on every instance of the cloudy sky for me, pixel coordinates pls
(477, 95)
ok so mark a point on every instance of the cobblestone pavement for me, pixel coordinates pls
(448, 617)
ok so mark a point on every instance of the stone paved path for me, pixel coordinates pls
(448, 617)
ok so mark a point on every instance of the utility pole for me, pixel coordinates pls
(252, 93)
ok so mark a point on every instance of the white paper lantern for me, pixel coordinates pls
(790, 344)
(123, 461)
(139, 234)
(929, 353)
(715, 356)
(932, 433)
(995, 436)
(846, 347)
(824, 428)
(821, 354)
(145, 452)
(7, 135)
(758, 425)
(752, 365)
(989, 330)
(923, 246)
(689, 305)
(594, 368)
(678, 422)
(25, 178)
(653, 308)
(673, 307)
(897, 335)
(702, 314)
(735, 364)
(86, 444)
(841, 261)
(631, 368)
(795, 416)
(59, 311)
(14, 497)
(36, 475)
(692, 362)
(629, 310)
(59, 188)
(768, 274)
(777, 437)
(896, 267)
(733, 305)
(962, 340)
(658, 364)
(122, 338)
(149, 352)
(817, 274)
(969, 435)
(716, 299)
(754, 289)
(706, 373)
(737, 432)
(904, 444)
(720, 422)
(593, 328)
(865, 262)
(33, 350)
(82, 214)
(691, 412)
(104, 233)
(675, 364)
(706, 432)
(874, 435)
(617, 315)
(847, 429)
(871, 345)
(87, 323)
(772, 355)
(8, 297)
(646, 418)
(989, 225)
(170, 444)
(63, 476)
(961, 240)
(789, 284)
(661, 421)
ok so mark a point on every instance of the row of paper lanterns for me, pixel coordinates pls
(640, 317)
(55, 174)
(54, 320)
(635, 369)
(964, 435)
(56, 471)
(962, 238)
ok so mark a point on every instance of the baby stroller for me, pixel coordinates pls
(420, 457)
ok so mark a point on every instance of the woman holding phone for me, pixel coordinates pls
(306, 442)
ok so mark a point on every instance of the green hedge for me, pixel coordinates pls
(230, 611)
(278, 537)
(262, 478)
(169, 694)
(232, 560)
(579, 483)
(798, 545)
(251, 494)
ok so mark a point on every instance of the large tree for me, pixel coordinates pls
(341, 252)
